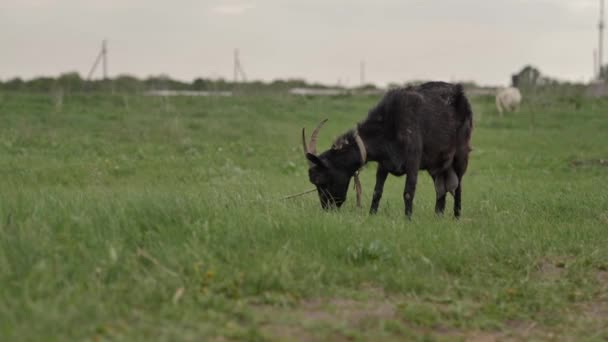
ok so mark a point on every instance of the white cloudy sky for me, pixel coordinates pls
(320, 40)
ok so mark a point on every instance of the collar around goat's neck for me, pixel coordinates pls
(361, 147)
(363, 153)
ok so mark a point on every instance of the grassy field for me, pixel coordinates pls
(140, 218)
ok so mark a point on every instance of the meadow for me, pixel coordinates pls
(126, 218)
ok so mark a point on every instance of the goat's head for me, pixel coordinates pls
(331, 170)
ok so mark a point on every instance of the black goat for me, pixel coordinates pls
(424, 127)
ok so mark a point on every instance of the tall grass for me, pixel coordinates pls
(164, 219)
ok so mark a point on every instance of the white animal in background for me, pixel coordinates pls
(508, 99)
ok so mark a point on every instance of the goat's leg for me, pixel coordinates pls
(499, 106)
(457, 201)
(440, 205)
(440, 192)
(381, 175)
(446, 181)
(460, 166)
(410, 187)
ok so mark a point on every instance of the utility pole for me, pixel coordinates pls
(236, 65)
(600, 56)
(104, 52)
(595, 68)
(238, 68)
(362, 73)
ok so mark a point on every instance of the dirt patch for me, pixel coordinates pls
(325, 319)
(597, 310)
(283, 332)
(551, 269)
(331, 316)
(602, 279)
(604, 218)
(515, 331)
(371, 314)
(486, 337)
(348, 311)
(590, 319)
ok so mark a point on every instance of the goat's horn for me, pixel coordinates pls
(304, 145)
(312, 148)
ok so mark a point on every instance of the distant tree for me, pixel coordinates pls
(160, 82)
(41, 84)
(127, 83)
(604, 73)
(164, 82)
(220, 84)
(70, 81)
(256, 84)
(367, 86)
(201, 84)
(14, 84)
(528, 77)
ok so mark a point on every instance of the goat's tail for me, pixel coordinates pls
(464, 113)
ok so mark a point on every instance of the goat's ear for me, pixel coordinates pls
(316, 160)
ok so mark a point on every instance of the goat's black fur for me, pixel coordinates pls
(424, 127)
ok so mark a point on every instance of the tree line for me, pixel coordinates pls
(72, 82)
(528, 78)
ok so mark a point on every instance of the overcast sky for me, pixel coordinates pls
(319, 40)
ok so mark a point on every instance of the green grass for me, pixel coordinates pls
(138, 218)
